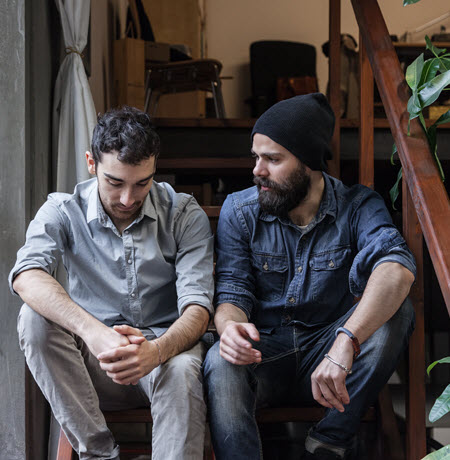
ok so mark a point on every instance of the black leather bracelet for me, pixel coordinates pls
(353, 338)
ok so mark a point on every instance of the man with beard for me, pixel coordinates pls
(126, 333)
(292, 253)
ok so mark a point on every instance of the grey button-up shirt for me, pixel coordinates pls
(145, 277)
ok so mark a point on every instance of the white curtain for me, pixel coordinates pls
(74, 114)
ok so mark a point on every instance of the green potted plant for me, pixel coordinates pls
(439, 409)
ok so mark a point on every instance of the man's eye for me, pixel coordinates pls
(143, 184)
(274, 160)
(114, 184)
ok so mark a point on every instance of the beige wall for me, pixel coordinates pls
(232, 25)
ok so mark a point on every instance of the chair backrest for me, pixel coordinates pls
(270, 60)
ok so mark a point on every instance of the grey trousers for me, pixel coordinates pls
(78, 390)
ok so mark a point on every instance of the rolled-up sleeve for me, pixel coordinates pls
(378, 241)
(234, 276)
(45, 241)
(194, 259)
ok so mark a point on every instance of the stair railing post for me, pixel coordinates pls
(415, 402)
(334, 82)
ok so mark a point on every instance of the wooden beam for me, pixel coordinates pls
(366, 158)
(334, 81)
(416, 398)
(419, 169)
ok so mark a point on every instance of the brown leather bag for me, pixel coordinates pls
(294, 86)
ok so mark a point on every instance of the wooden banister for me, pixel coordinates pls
(426, 210)
(419, 169)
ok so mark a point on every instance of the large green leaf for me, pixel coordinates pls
(394, 190)
(414, 72)
(431, 90)
(444, 64)
(414, 107)
(394, 151)
(441, 406)
(441, 454)
(409, 2)
(444, 118)
(439, 361)
(436, 51)
(429, 71)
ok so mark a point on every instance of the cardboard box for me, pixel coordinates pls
(129, 72)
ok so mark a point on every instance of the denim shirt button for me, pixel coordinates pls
(287, 318)
(266, 266)
(300, 269)
(331, 264)
(291, 300)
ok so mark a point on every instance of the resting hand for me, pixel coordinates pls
(234, 344)
(127, 364)
(328, 380)
(103, 338)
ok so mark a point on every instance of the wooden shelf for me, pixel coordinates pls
(197, 164)
(249, 122)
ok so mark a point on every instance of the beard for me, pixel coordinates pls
(285, 196)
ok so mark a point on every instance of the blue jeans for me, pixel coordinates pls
(289, 357)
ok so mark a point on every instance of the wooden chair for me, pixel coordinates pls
(65, 451)
(388, 446)
(181, 76)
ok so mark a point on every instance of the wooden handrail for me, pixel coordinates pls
(419, 169)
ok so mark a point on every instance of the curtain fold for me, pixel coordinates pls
(74, 114)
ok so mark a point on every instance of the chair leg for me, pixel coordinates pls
(390, 443)
(65, 451)
(216, 88)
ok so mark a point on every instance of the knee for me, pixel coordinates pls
(222, 377)
(182, 372)
(215, 368)
(402, 323)
(391, 338)
(33, 329)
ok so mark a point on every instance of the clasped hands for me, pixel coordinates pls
(327, 380)
(128, 356)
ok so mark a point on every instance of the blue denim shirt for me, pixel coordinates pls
(280, 274)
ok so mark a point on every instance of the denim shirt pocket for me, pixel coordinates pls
(329, 274)
(270, 273)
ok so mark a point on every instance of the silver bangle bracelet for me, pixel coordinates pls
(344, 368)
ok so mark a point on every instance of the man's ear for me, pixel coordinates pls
(90, 163)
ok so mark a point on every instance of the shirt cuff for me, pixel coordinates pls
(19, 269)
(195, 299)
(397, 259)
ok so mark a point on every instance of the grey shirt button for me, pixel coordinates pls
(130, 261)
(133, 295)
(300, 269)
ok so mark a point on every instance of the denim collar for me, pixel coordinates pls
(328, 205)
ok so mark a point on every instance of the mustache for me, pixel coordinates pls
(262, 182)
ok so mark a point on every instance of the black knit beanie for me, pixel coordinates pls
(303, 125)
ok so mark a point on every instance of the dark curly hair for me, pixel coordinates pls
(127, 131)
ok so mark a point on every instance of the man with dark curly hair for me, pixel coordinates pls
(126, 331)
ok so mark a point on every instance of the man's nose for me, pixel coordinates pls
(126, 198)
(260, 169)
